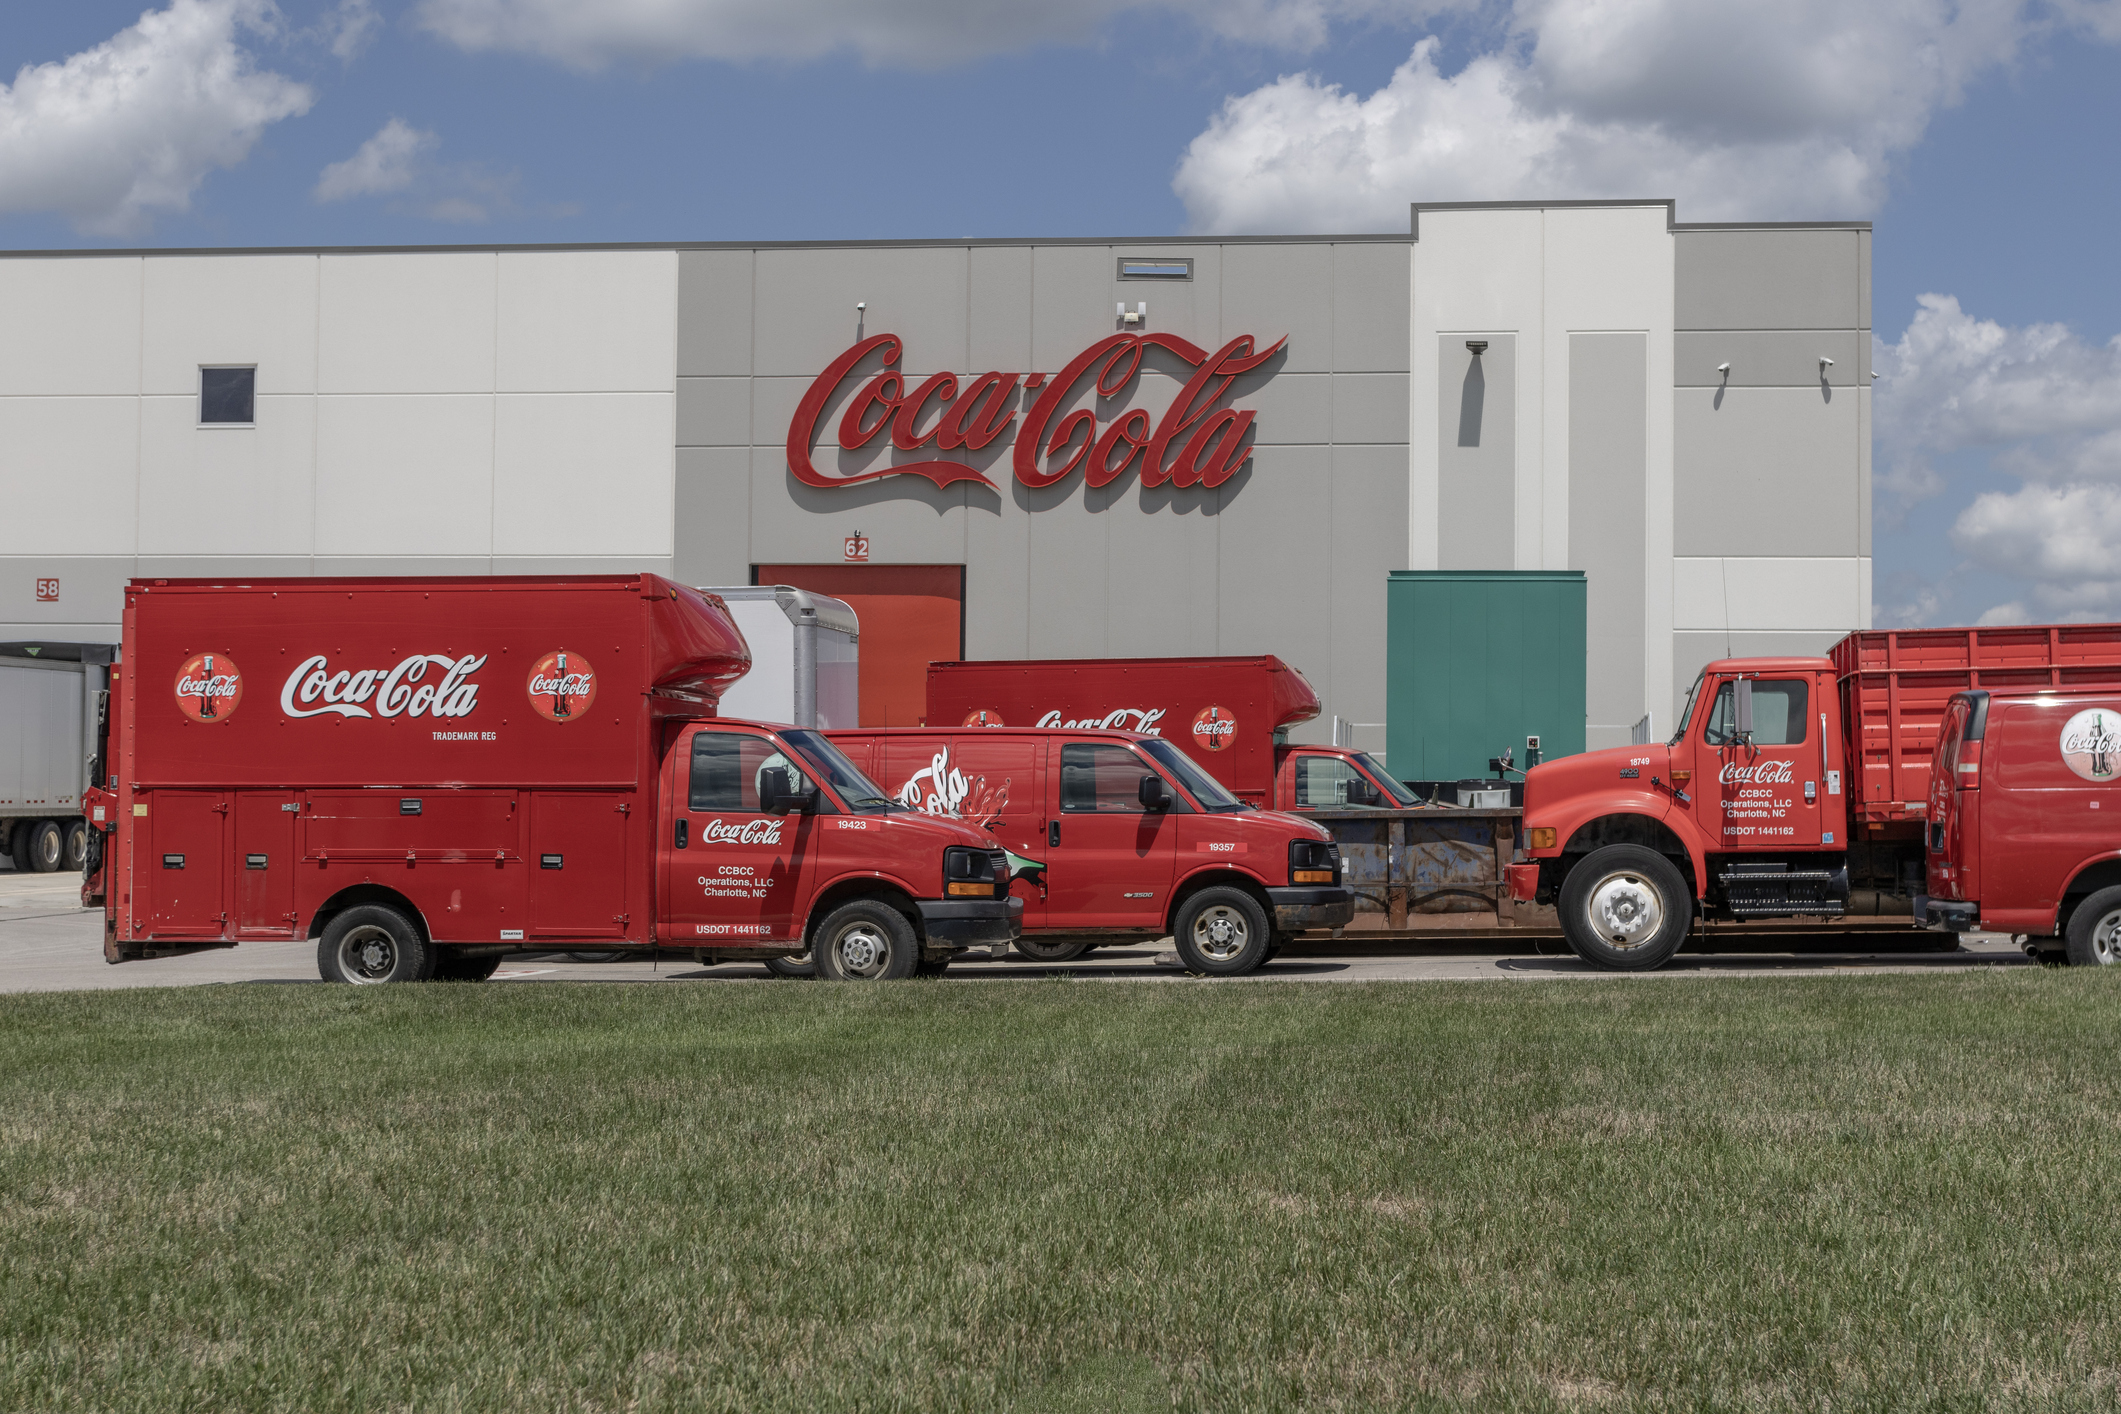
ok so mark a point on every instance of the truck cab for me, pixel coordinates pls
(1330, 778)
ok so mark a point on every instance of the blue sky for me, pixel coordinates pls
(1977, 135)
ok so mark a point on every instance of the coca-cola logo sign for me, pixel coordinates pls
(719, 831)
(562, 686)
(209, 687)
(2091, 744)
(984, 717)
(1124, 719)
(422, 685)
(1214, 729)
(1763, 773)
(1194, 442)
(941, 788)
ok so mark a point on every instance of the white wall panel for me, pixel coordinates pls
(1740, 594)
(69, 468)
(391, 323)
(588, 321)
(227, 490)
(584, 474)
(405, 475)
(70, 327)
(259, 309)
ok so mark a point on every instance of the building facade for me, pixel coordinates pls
(1139, 447)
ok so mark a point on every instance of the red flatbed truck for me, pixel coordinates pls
(1794, 788)
(424, 775)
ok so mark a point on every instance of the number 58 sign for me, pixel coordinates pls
(48, 590)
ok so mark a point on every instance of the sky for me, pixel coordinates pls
(1979, 136)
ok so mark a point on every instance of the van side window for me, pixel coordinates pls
(726, 767)
(1779, 713)
(1100, 778)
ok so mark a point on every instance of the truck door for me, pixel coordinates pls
(992, 780)
(186, 867)
(731, 873)
(1763, 793)
(1109, 862)
(578, 864)
(265, 863)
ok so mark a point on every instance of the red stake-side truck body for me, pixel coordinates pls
(2025, 819)
(426, 774)
(1119, 836)
(1794, 787)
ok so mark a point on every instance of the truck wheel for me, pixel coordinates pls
(1625, 908)
(47, 847)
(18, 845)
(2094, 935)
(866, 941)
(452, 966)
(792, 967)
(373, 943)
(1222, 933)
(1051, 951)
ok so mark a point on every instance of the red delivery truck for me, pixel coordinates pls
(1794, 787)
(2024, 819)
(424, 775)
(1118, 836)
(1231, 715)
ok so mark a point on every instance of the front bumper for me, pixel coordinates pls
(972, 922)
(1947, 915)
(1296, 909)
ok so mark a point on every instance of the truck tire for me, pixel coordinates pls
(2094, 934)
(374, 943)
(452, 966)
(18, 845)
(76, 847)
(792, 968)
(1222, 933)
(47, 847)
(865, 941)
(1625, 908)
(1051, 951)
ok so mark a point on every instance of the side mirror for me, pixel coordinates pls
(778, 795)
(1742, 703)
(1152, 794)
(1361, 792)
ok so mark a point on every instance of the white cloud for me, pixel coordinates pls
(384, 163)
(134, 125)
(1787, 111)
(351, 28)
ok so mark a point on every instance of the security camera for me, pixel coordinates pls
(1825, 362)
(1723, 368)
(861, 304)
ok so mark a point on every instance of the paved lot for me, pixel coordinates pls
(49, 943)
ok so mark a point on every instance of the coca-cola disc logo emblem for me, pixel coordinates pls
(1214, 728)
(984, 717)
(2091, 744)
(209, 687)
(562, 686)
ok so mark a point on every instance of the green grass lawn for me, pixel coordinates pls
(1874, 1193)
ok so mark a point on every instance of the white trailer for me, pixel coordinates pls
(52, 702)
(805, 652)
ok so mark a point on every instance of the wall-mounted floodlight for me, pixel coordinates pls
(861, 304)
(1724, 369)
(1825, 362)
(1476, 347)
(1133, 316)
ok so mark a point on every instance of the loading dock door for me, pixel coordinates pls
(911, 616)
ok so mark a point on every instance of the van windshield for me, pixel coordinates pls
(862, 795)
(1199, 784)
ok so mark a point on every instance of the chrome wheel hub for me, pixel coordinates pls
(863, 951)
(368, 954)
(1624, 910)
(1220, 933)
(2106, 939)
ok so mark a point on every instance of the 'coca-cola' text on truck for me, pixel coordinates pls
(427, 774)
(1794, 787)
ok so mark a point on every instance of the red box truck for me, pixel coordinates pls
(426, 774)
(1116, 836)
(1797, 787)
(2024, 819)
(1231, 715)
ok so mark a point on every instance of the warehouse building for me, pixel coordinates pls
(1006, 448)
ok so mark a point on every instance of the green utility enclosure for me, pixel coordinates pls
(1475, 662)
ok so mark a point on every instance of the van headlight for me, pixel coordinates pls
(1314, 862)
(968, 873)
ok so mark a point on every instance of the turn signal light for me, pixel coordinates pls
(1313, 876)
(1680, 778)
(983, 889)
(1539, 837)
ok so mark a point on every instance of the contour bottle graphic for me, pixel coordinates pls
(206, 689)
(559, 687)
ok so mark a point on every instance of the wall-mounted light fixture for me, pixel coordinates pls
(860, 305)
(1476, 347)
(1825, 363)
(1725, 370)
(1137, 315)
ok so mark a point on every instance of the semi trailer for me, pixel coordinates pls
(51, 702)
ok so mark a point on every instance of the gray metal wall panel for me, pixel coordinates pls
(1770, 358)
(908, 521)
(1476, 454)
(217, 566)
(91, 592)
(1277, 549)
(1373, 308)
(1768, 280)
(1765, 471)
(713, 515)
(1864, 408)
(1067, 572)
(1072, 302)
(1370, 407)
(714, 412)
(999, 609)
(714, 312)
(1369, 508)
(1863, 277)
(1164, 543)
(1273, 292)
(584, 564)
(807, 304)
(1608, 517)
(1295, 409)
(1191, 308)
(999, 308)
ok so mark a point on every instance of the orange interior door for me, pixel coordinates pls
(912, 615)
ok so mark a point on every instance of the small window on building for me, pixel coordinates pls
(1131, 269)
(228, 396)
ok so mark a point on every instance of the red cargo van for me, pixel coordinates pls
(1118, 836)
(1231, 715)
(2025, 820)
(426, 774)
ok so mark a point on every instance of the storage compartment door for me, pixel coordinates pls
(186, 868)
(263, 867)
(578, 865)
